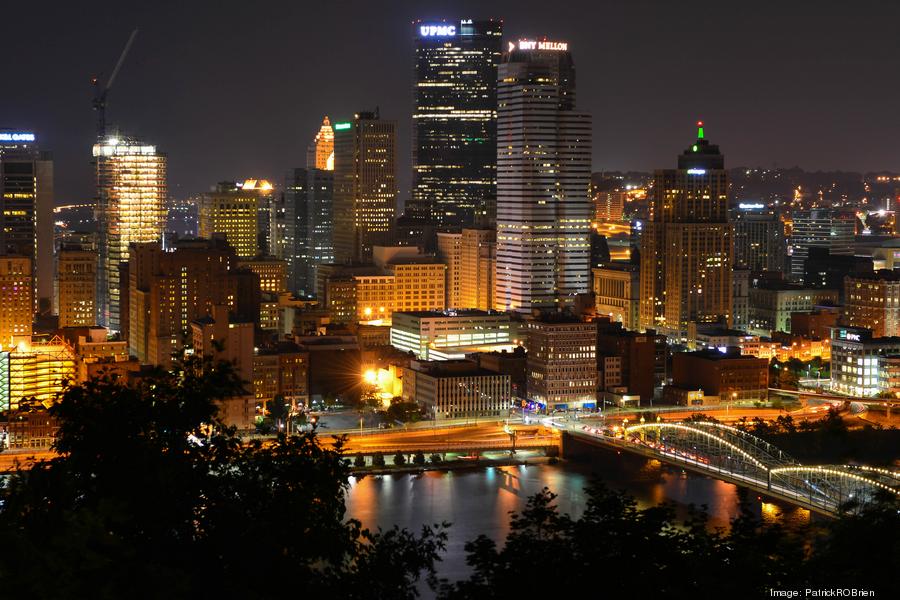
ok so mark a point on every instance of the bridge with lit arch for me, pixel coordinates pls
(741, 458)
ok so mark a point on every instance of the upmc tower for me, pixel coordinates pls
(455, 122)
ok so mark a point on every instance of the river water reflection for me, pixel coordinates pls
(477, 501)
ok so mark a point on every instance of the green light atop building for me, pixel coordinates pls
(694, 147)
(699, 130)
(342, 126)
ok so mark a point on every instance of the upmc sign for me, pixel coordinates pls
(437, 30)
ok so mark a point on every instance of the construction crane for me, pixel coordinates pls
(100, 92)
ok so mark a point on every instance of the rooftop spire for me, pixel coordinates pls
(699, 130)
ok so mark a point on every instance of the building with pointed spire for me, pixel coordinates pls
(687, 244)
(320, 154)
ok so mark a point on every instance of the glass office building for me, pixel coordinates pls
(455, 122)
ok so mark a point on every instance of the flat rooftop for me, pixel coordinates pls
(465, 312)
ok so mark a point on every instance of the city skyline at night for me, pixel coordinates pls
(450, 299)
(793, 79)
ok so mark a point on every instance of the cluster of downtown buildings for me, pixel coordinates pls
(495, 287)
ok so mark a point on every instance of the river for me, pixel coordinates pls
(479, 500)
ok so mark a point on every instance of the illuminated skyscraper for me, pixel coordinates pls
(687, 244)
(365, 189)
(320, 154)
(131, 208)
(543, 173)
(233, 210)
(26, 200)
(455, 122)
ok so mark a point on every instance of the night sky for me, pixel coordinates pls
(236, 89)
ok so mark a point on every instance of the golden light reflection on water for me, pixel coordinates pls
(480, 501)
(509, 495)
(784, 513)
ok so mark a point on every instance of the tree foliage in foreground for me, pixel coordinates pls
(152, 497)
(617, 550)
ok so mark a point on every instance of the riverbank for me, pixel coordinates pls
(452, 465)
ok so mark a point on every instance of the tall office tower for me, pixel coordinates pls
(687, 244)
(233, 210)
(449, 246)
(477, 265)
(320, 154)
(16, 300)
(455, 122)
(26, 200)
(759, 242)
(77, 287)
(308, 214)
(131, 208)
(168, 290)
(365, 188)
(820, 228)
(543, 173)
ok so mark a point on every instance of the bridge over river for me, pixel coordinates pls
(738, 457)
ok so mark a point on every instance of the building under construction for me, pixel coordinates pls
(131, 208)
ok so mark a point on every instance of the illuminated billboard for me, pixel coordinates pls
(540, 45)
(437, 30)
(18, 136)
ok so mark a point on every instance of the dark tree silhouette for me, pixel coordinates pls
(152, 497)
(648, 553)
